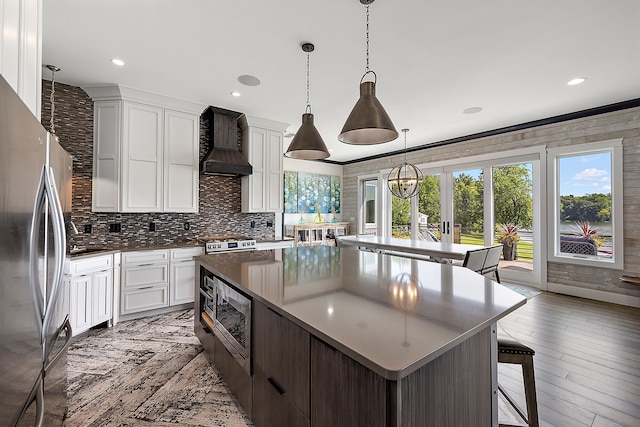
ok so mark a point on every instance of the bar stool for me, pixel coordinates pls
(514, 352)
(510, 351)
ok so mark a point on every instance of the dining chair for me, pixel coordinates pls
(474, 259)
(491, 261)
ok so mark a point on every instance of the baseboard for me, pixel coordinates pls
(594, 294)
(164, 310)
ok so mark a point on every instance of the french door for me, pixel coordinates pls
(471, 203)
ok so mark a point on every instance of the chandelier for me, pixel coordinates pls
(404, 179)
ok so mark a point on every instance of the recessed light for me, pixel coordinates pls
(235, 93)
(117, 61)
(576, 81)
(248, 80)
(472, 110)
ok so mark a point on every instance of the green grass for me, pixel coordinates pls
(525, 249)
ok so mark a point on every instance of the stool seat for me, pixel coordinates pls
(514, 352)
(506, 344)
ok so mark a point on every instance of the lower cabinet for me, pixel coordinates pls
(90, 292)
(281, 361)
(145, 281)
(183, 274)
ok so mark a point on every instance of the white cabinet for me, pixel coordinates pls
(183, 275)
(91, 291)
(145, 281)
(262, 191)
(21, 49)
(145, 152)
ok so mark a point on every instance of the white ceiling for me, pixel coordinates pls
(433, 59)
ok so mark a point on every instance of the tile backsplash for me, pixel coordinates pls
(219, 205)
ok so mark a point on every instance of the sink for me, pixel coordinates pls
(85, 250)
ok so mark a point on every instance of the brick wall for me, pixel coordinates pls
(219, 206)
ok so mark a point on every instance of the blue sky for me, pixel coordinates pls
(588, 174)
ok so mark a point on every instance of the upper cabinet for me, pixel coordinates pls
(21, 49)
(145, 151)
(263, 145)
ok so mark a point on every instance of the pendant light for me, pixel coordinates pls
(307, 144)
(403, 180)
(368, 122)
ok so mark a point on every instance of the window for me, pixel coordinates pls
(586, 211)
(369, 208)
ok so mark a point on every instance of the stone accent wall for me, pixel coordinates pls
(621, 124)
(219, 205)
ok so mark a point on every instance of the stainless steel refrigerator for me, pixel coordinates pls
(35, 200)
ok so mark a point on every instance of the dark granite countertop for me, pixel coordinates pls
(390, 313)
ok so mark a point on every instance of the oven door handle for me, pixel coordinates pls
(205, 294)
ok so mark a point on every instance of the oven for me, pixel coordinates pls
(231, 314)
(228, 244)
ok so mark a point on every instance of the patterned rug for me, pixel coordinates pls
(147, 372)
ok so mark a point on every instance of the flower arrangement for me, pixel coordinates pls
(584, 229)
(507, 234)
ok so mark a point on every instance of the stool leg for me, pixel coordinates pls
(530, 391)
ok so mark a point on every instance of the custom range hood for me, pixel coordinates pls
(224, 156)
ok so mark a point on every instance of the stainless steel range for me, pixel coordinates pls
(228, 243)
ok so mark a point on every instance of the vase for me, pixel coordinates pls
(334, 219)
(318, 219)
(301, 220)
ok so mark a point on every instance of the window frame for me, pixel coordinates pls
(614, 148)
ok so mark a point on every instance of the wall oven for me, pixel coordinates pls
(230, 311)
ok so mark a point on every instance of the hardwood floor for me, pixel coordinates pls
(587, 361)
(151, 372)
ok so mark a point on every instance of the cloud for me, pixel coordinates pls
(590, 174)
(606, 187)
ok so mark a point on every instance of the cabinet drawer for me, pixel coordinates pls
(90, 265)
(146, 275)
(137, 258)
(137, 300)
(282, 351)
(271, 408)
(185, 254)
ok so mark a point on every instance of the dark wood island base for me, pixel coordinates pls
(306, 370)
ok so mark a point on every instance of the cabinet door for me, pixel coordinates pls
(106, 157)
(80, 306)
(345, 393)
(270, 407)
(146, 298)
(142, 158)
(254, 186)
(281, 351)
(102, 292)
(182, 282)
(275, 173)
(181, 150)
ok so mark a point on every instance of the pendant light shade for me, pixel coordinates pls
(404, 180)
(368, 122)
(307, 144)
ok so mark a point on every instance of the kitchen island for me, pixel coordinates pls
(342, 337)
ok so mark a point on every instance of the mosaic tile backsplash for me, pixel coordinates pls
(219, 206)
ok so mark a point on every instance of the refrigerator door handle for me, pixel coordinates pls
(59, 237)
(34, 275)
(66, 327)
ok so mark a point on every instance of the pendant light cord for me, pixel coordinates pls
(367, 69)
(53, 104)
(308, 107)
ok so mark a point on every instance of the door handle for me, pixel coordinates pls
(59, 240)
(277, 386)
(448, 229)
